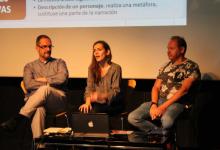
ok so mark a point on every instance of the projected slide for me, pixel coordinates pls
(91, 13)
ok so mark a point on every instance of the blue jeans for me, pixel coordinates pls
(141, 119)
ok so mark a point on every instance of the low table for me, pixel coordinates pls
(135, 140)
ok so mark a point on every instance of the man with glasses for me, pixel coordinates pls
(45, 80)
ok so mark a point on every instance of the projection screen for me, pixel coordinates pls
(137, 31)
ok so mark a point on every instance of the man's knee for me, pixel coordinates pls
(44, 89)
(43, 92)
(132, 118)
(136, 116)
(167, 122)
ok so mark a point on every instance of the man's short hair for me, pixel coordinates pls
(180, 42)
(41, 37)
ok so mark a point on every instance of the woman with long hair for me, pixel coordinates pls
(102, 93)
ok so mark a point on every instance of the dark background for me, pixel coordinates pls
(197, 128)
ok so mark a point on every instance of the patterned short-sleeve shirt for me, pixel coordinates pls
(172, 76)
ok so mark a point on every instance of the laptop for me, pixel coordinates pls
(90, 125)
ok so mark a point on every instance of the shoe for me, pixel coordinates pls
(11, 124)
(41, 146)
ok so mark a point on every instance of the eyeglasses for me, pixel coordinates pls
(46, 46)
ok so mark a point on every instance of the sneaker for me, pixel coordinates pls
(41, 146)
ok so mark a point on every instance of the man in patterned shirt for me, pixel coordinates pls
(173, 82)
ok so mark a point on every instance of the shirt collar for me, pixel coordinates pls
(45, 62)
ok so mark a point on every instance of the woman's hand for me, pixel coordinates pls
(94, 97)
(98, 97)
(85, 108)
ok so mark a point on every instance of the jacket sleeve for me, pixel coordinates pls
(115, 85)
